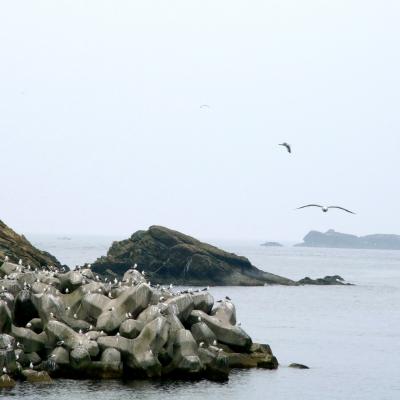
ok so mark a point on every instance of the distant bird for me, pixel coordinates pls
(287, 145)
(326, 208)
(6, 258)
(31, 365)
(205, 106)
(67, 290)
(228, 298)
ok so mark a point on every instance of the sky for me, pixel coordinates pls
(102, 129)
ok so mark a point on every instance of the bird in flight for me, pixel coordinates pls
(326, 208)
(287, 145)
(205, 106)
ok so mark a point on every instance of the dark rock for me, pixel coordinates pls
(24, 309)
(5, 318)
(327, 280)
(335, 239)
(17, 247)
(170, 256)
(298, 366)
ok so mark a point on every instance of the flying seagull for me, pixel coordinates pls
(287, 145)
(205, 106)
(326, 208)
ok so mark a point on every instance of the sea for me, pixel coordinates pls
(349, 336)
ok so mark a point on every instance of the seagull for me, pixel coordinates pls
(287, 145)
(205, 106)
(326, 208)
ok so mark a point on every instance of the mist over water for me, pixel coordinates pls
(348, 335)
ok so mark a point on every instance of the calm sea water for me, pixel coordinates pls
(348, 335)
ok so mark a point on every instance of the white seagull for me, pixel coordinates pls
(326, 208)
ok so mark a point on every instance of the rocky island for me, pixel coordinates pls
(169, 256)
(271, 244)
(335, 239)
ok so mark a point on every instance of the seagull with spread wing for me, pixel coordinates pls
(326, 208)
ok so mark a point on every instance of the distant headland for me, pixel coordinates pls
(334, 239)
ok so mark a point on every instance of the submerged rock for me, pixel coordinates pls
(170, 256)
(327, 280)
(298, 366)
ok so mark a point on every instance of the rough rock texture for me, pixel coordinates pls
(170, 256)
(78, 325)
(17, 247)
(335, 239)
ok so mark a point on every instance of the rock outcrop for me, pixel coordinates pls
(168, 256)
(327, 280)
(335, 239)
(17, 247)
(271, 244)
(78, 325)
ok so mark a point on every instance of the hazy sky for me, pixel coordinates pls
(101, 129)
